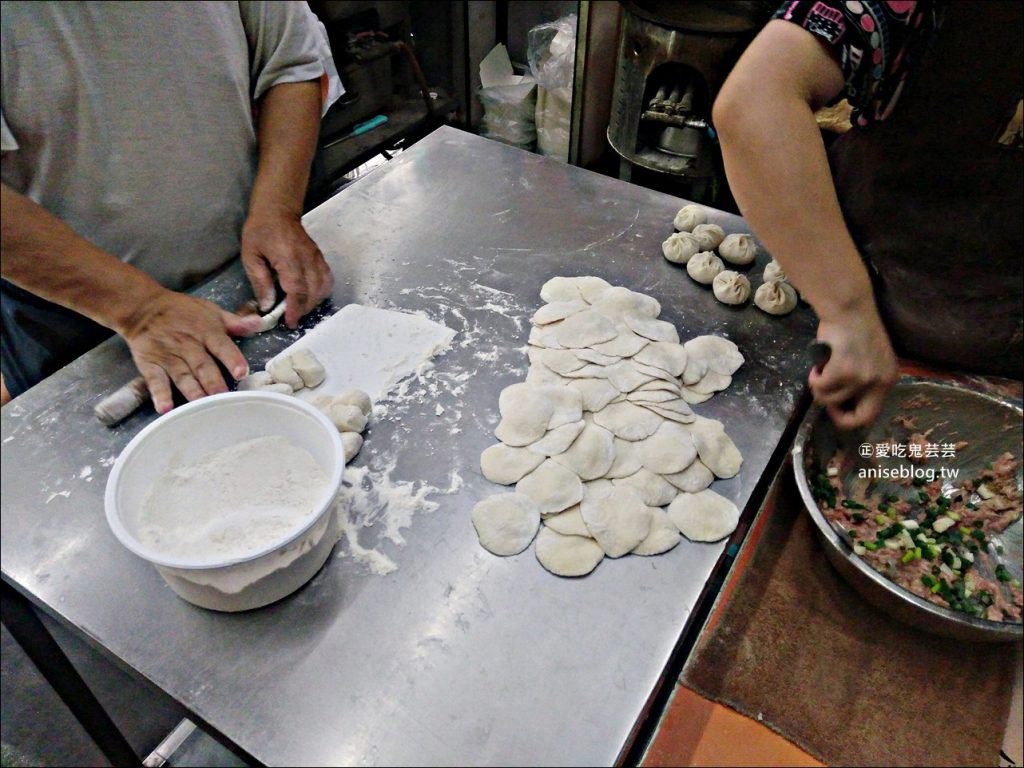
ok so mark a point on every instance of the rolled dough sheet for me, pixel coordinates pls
(370, 349)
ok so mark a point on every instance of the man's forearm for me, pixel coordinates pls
(778, 172)
(46, 257)
(287, 130)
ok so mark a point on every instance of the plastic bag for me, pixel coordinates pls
(554, 106)
(551, 51)
(509, 113)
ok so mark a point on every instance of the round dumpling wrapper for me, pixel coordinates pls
(567, 555)
(506, 523)
(704, 516)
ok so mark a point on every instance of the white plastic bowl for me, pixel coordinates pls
(208, 425)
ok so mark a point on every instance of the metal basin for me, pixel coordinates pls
(991, 426)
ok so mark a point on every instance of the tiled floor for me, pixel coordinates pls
(698, 732)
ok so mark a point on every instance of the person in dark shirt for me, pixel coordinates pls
(906, 234)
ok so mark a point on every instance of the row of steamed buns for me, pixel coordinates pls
(694, 244)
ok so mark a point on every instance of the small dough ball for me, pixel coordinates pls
(347, 418)
(279, 387)
(774, 271)
(731, 287)
(254, 381)
(280, 368)
(679, 247)
(567, 555)
(689, 216)
(738, 249)
(776, 297)
(709, 236)
(308, 368)
(357, 398)
(506, 523)
(704, 266)
(351, 442)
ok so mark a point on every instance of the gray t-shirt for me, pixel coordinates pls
(133, 123)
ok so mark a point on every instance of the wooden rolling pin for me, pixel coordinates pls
(129, 398)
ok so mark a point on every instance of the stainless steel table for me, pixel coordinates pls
(458, 657)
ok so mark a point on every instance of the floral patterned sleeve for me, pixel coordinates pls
(876, 43)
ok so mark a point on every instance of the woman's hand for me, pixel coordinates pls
(861, 370)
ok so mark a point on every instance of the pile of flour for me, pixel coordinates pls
(233, 502)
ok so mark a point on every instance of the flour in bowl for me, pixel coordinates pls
(233, 502)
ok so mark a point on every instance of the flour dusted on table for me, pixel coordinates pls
(233, 502)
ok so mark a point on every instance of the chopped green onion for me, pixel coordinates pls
(907, 556)
(1002, 574)
(888, 533)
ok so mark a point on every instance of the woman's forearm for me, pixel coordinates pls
(778, 169)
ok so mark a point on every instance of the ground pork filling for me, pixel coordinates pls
(933, 543)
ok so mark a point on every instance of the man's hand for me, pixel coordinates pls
(275, 242)
(861, 370)
(180, 339)
(273, 239)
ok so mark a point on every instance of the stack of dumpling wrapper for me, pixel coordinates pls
(600, 440)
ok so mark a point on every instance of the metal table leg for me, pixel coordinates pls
(17, 615)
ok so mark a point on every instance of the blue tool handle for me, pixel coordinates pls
(369, 125)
